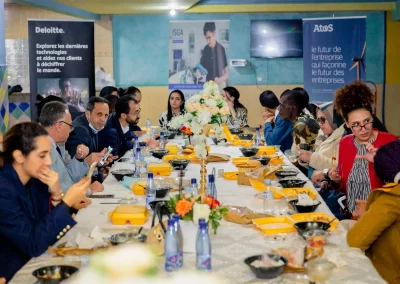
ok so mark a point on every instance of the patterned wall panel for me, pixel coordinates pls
(19, 112)
(4, 113)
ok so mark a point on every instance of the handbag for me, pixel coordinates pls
(156, 236)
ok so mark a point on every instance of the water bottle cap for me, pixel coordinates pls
(202, 220)
(161, 133)
(176, 217)
(193, 180)
(258, 129)
(203, 225)
(171, 222)
(138, 150)
(150, 175)
(267, 182)
(211, 178)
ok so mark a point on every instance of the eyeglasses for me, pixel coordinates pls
(71, 127)
(321, 120)
(136, 112)
(367, 125)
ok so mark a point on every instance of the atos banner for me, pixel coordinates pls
(334, 55)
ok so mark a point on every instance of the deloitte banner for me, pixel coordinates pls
(334, 55)
(61, 62)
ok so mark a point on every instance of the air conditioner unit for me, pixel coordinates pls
(238, 62)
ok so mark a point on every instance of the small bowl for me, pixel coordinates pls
(249, 151)
(121, 173)
(123, 238)
(159, 153)
(319, 269)
(304, 208)
(177, 163)
(245, 136)
(304, 228)
(266, 272)
(164, 210)
(169, 134)
(235, 131)
(162, 191)
(292, 183)
(286, 173)
(45, 274)
(264, 160)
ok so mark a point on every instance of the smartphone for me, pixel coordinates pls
(105, 157)
(102, 196)
(91, 170)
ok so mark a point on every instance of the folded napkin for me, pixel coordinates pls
(96, 239)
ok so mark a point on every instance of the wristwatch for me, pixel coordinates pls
(326, 174)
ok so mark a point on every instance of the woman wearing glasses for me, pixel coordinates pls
(357, 177)
(176, 105)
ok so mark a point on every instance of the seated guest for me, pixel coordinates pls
(176, 105)
(357, 177)
(137, 95)
(237, 110)
(56, 119)
(109, 90)
(34, 214)
(310, 109)
(377, 232)
(112, 100)
(281, 132)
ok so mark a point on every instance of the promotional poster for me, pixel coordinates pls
(61, 62)
(198, 52)
(334, 51)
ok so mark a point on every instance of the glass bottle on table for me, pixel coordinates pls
(178, 230)
(257, 137)
(148, 124)
(268, 198)
(161, 144)
(150, 190)
(211, 189)
(236, 123)
(193, 188)
(137, 162)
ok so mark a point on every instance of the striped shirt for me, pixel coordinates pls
(358, 184)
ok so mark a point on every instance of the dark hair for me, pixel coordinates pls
(93, 101)
(112, 100)
(131, 91)
(169, 114)
(209, 27)
(41, 101)
(312, 108)
(122, 105)
(285, 93)
(52, 112)
(107, 91)
(233, 92)
(268, 99)
(353, 96)
(297, 99)
(61, 81)
(387, 161)
(20, 137)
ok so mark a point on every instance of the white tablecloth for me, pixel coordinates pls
(233, 242)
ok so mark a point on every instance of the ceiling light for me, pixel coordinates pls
(172, 12)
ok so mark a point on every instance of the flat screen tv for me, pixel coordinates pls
(276, 38)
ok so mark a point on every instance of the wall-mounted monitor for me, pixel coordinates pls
(276, 38)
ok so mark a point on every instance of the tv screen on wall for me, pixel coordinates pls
(276, 38)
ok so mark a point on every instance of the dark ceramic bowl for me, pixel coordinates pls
(292, 183)
(249, 151)
(169, 134)
(159, 153)
(245, 136)
(121, 173)
(162, 191)
(264, 160)
(303, 228)
(48, 274)
(164, 210)
(304, 208)
(286, 173)
(266, 272)
(235, 131)
(177, 163)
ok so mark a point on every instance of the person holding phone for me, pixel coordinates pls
(56, 119)
(34, 212)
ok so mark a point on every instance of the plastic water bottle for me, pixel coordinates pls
(135, 144)
(178, 231)
(203, 248)
(137, 162)
(148, 124)
(193, 188)
(211, 189)
(257, 137)
(201, 220)
(236, 123)
(171, 247)
(269, 198)
(162, 141)
(150, 190)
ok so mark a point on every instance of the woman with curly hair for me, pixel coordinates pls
(356, 176)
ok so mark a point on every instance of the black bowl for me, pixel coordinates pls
(292, 183)
(235, 131)
(304, 208)
(159, 153)
(286, 173)
(121, 173)
(249, 151)
(245, 136)
(162, 191)
(164, 210)
(45, 274)
(169, 134)
(264, 160)
(177, 163)
(266, 272)
(304, 227)
(142, 144)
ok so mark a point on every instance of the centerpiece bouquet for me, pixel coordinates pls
(207, 107)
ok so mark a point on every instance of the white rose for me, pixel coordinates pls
(201, 211)
(203, 117)
(211, 103)
(196, 128)
(194, 99)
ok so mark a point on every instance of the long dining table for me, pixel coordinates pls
(232, 243)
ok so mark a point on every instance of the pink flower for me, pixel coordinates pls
(190, 107)
(214, 110)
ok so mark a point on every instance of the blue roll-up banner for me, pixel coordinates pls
(334, 55)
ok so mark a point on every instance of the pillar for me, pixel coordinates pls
(4, 114)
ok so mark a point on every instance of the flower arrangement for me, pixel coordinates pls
(206, 107)
(192, 208)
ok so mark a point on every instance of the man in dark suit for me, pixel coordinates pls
(137, 95)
